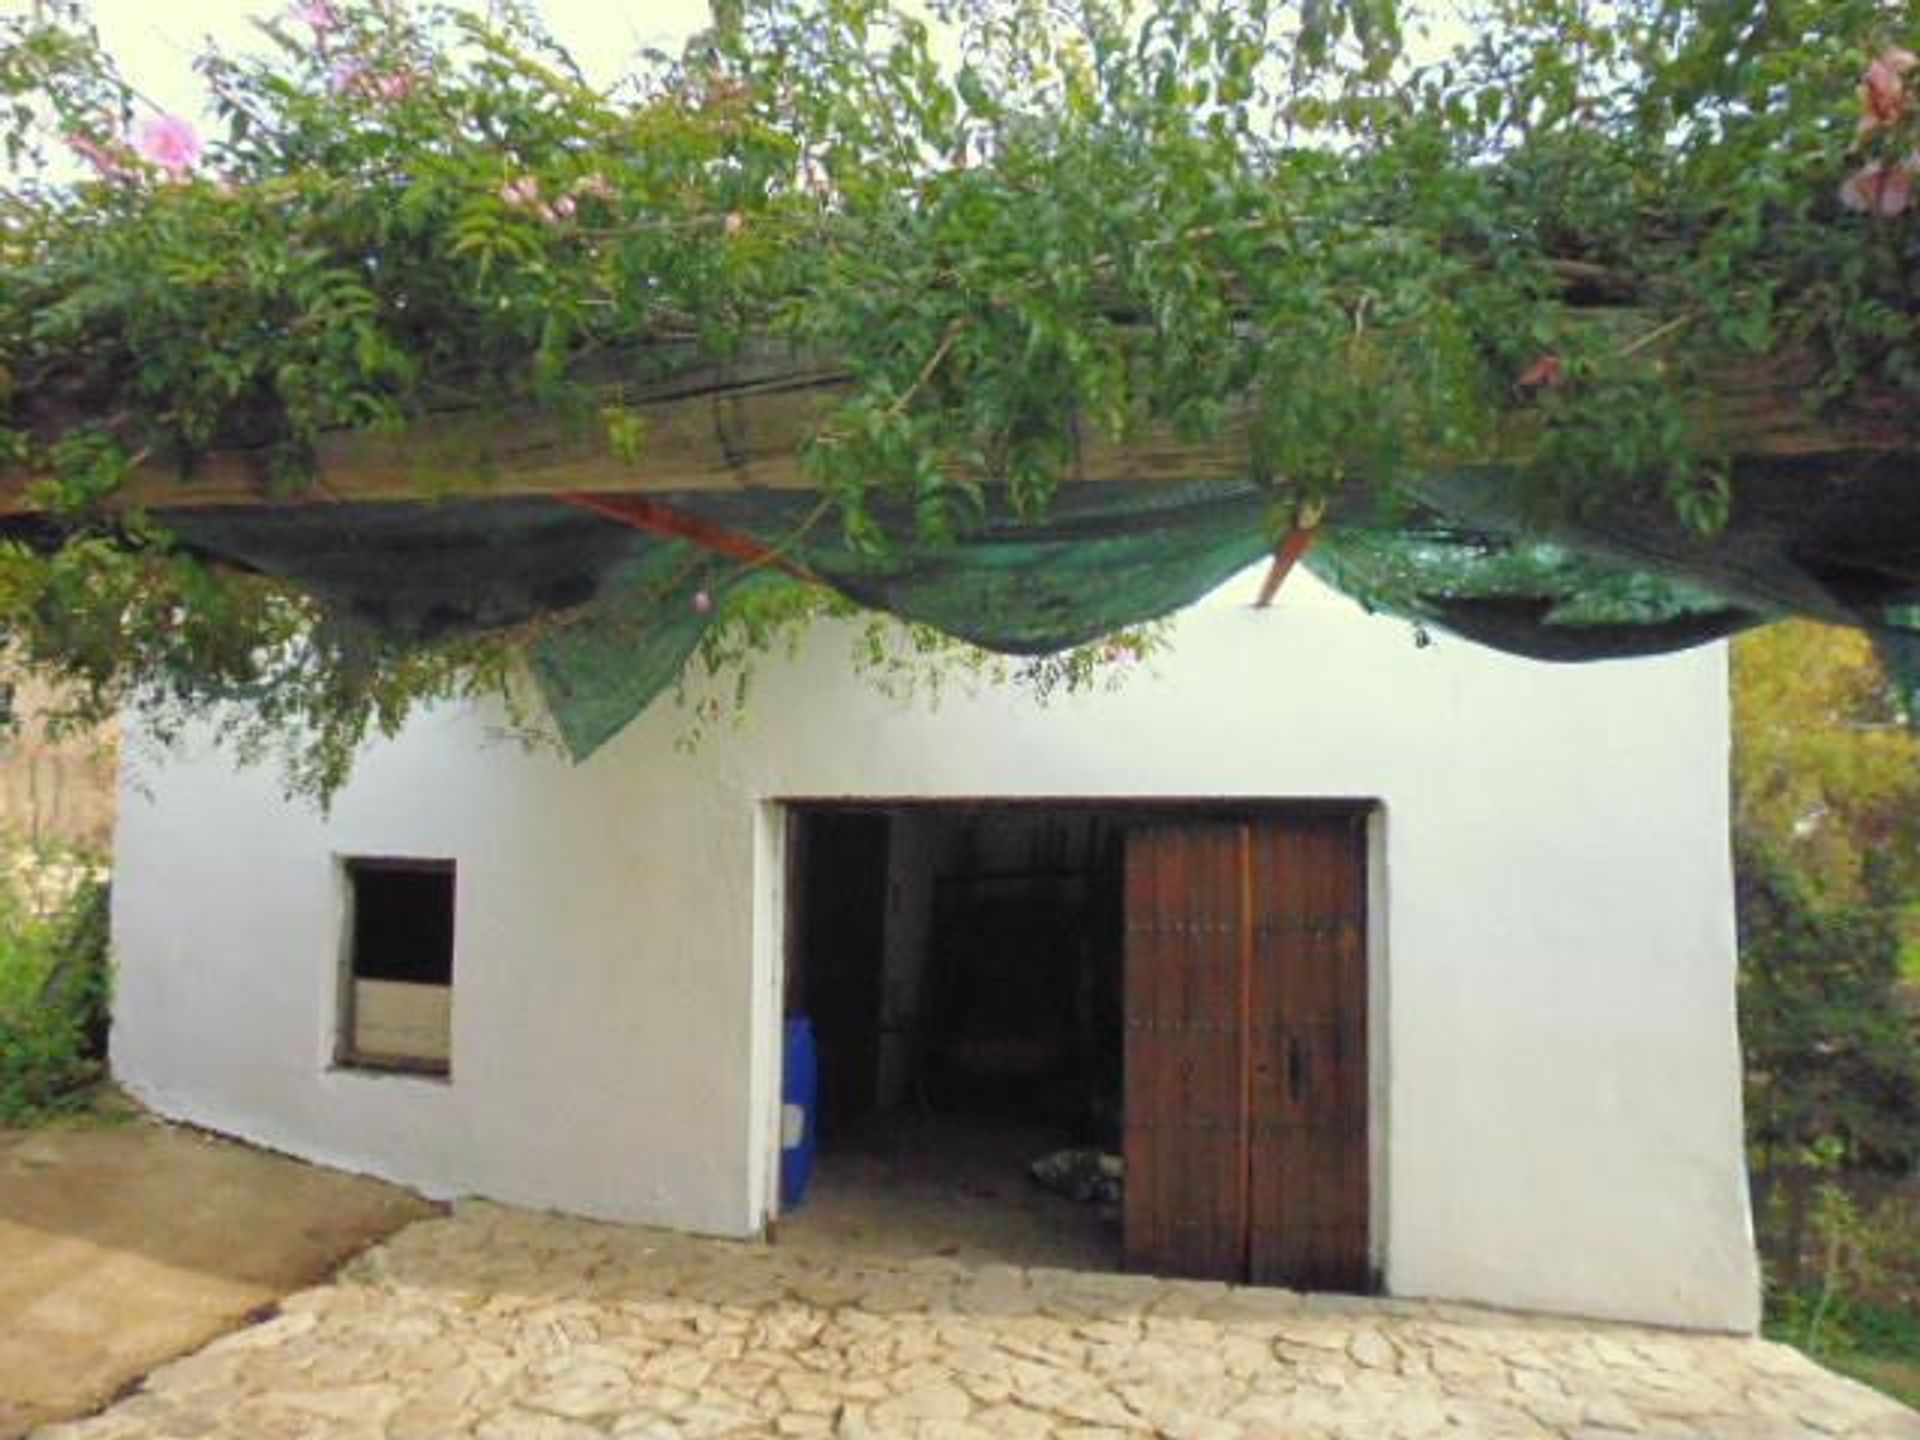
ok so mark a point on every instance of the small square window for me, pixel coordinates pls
(397, 992)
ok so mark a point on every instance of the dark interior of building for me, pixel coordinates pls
(960, 966)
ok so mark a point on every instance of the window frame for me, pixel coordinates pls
(347, 1055)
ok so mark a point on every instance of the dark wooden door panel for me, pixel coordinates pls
(1185, 1143)
(1308, 1223)
(1246, 1055)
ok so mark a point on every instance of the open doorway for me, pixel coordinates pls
(1092, 1034)
(961, 967)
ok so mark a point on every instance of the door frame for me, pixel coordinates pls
(770, 940)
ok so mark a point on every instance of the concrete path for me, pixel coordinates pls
(127, 1243)
(503, 1325)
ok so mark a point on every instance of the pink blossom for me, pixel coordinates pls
(319, 15)
(521, 193)
(104, 161)
(169, 142)
(594, 185)
(1883, 93)
(1881, 188)
(703, 602)
(347, 75)
(1546, 371)
(563, 208)
(395, 86)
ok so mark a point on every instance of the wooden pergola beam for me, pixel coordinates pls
(742, 427)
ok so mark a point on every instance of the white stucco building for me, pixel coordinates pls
(1521, 1042)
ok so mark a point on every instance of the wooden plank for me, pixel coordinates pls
(1185, 1097)
(404, 1023)
(728, 436)
(742, 426)
(1309, 1212)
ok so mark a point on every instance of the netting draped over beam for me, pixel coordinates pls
(613, 609)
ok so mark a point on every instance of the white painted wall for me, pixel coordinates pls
(1560, 1123)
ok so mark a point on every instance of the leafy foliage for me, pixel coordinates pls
(1833, 1066)
(908, 663)
(54, 984)
(1826, 820)
(1827, 772)
(1101, 220)
(1857, 1312)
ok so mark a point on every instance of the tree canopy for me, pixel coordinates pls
(1542, 257)
(1826, 820)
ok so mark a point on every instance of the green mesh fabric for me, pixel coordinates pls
(1019, 588)
(599, 667)
(613, 617)
(1532, 598)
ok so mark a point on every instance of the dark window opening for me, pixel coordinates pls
(396, 1005)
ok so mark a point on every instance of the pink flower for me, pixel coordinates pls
(563, 208)
(105, 162)
(1881, 188)
(319, 15)
(1883, 94)
(594, 185)
(703, 602)
(169, 142)
(1546, 371)
(347, 75)
(396, 86)
(521, 193)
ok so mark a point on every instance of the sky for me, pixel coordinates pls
(156, 41)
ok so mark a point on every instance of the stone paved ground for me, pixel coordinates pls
(499, 1325)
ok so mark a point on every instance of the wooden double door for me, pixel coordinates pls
(1246, 1050)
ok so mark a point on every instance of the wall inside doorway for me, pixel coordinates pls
(994, 982)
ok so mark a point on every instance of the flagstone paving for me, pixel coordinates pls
(500, 1324)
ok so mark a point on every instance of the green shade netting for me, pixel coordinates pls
(1018, 588)
(611, 612)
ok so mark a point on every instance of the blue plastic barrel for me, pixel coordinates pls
(799, 1110)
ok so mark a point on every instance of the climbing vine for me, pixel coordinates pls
(1014, 223)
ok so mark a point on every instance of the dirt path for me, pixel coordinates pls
(125, 1244)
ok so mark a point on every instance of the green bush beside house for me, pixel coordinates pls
(55, 985)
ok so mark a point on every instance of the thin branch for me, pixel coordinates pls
(920, 381)
(1657, 334)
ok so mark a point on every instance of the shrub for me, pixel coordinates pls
(1856, 1311)
(54, 988)
(1832, 1060)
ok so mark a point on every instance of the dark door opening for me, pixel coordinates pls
(961, 967)
(840, 931)
(1088, 1035)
